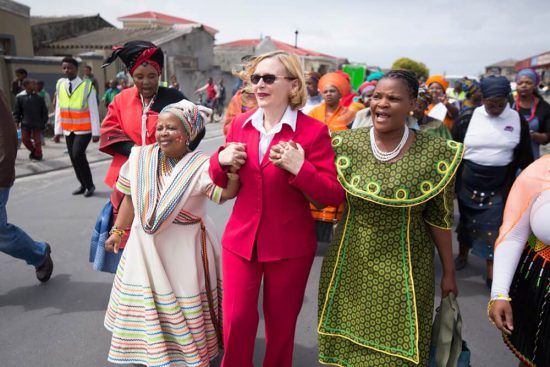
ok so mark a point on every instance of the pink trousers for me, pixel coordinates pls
(284, 286)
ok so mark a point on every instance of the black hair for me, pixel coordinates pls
(70, 60)
(407, 77)
(21, 71)
(193, 144)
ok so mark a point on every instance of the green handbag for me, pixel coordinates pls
(447, 347)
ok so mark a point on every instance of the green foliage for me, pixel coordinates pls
(418, 68)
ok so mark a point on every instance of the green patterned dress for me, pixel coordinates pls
(376, 291)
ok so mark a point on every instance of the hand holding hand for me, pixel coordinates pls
(289, 156)
(234, 155)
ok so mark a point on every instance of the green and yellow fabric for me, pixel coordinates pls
(74, 109)
(377, 281)
(436, 128)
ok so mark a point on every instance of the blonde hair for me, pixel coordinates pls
(297, 97)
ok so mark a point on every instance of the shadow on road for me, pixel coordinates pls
(61, 294)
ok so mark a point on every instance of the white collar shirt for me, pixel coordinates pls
(92, 105)
(266, 137)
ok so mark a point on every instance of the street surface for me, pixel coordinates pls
(60, 323)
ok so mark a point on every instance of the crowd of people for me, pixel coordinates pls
(374, 171)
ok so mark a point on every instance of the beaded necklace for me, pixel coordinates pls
(534, 105)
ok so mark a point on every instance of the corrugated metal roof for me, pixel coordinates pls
(109, 37)
(37, 20)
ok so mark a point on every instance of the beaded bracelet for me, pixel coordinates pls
(117, 231)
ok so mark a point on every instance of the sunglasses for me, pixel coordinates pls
(267, 78)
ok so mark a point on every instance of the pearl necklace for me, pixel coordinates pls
(387, 156)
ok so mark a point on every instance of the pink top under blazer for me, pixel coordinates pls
(271, 211)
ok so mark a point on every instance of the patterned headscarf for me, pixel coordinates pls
(367, 87)
(137, 53)
(192, 117)
(424, 96)
(469, 87)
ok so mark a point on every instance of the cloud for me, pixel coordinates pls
(457, 37)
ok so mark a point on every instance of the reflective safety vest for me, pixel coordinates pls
(74, 110)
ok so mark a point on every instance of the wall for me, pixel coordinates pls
(18, 28)
(227, 58)
(48, 69)
(191, 58)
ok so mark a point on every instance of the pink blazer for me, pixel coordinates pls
(271, 211)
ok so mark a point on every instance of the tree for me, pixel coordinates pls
(418, 68)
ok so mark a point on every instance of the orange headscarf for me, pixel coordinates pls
(336, 80)
(531, 182)
(440, 79)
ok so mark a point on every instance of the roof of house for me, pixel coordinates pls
(108, 37)
(15, 8)
(508, 63)
(38, 20)
(279, 44)
(164, 18)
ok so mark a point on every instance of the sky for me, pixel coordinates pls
(457, 37)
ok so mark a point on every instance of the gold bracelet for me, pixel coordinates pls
(117, 231)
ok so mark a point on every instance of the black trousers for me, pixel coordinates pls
(76, 145)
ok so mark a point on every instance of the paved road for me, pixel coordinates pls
(61, 323)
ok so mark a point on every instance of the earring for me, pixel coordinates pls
(411, 113)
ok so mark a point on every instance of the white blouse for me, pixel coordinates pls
(536, 220)
(490, 141)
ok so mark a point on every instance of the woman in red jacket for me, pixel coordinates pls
(131, 120)
(285, 160)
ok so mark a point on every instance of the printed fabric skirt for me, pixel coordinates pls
(480, 197)
(530, 293)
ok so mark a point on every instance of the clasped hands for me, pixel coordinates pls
(289, 156)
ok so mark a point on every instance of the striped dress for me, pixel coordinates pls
(160, 312)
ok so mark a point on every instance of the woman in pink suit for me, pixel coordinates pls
(285, 160)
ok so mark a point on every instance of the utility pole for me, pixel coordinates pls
(296, 39)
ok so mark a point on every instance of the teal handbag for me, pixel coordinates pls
(447, 347)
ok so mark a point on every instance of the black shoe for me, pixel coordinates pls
(33, 157)
(79, 191)
(89, 192)
(44, 271)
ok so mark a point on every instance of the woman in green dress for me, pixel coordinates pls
(376, 293)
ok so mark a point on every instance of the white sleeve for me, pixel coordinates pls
(507, 255)
(57, 117)
(94, 112)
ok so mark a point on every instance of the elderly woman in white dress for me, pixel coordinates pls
(165, 303)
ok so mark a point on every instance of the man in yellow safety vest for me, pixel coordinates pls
(77, 118)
